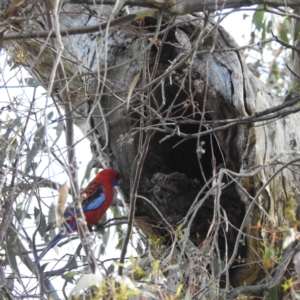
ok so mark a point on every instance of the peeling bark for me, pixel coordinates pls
(211, 81)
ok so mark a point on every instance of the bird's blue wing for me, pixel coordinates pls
(96, 203)
(92, 202)
(87, 205)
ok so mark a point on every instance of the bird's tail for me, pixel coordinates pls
(54, 242)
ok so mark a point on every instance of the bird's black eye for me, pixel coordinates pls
(115, 181)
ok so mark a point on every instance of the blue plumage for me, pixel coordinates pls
(96, 198)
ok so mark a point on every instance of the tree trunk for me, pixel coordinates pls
(223, 187)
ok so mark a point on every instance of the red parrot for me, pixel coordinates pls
(96, 199)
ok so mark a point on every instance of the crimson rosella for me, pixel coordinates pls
(96, 198)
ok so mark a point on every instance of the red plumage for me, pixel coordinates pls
(96, 199)
(104, 182)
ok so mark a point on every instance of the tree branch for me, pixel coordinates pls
(180, 7)
(78, 30)
(261, 288)
(279, 111)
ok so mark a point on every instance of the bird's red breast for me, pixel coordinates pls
(96, 199)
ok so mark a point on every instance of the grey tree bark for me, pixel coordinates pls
(216, 174)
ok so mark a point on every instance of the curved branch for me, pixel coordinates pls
(180, 7)
(257, 289)
(279, 111)
(78, 30)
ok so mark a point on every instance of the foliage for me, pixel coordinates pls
(38, 154)
(268, 60)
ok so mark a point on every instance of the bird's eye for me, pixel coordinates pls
(115, 180)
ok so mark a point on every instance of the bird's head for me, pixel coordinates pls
(108, 176)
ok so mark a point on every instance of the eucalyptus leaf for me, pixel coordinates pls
(38, 145)
(40, 220)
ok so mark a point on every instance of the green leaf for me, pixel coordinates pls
(20, 214)
(51, 219)
(120, 237)
(11, 244)
(59, 130)
(111, 268)
(50, 115)
(70, 274)
(245, 16)
(40, 220)
(106, 236)
(275, 71)
(252, 37)
(140, 248)
(43, 267)
(272, 294)
(283, 34)
(31, 82)
(10, 282)
(269, 25)
(257, 19)
(17, 122)
(15, 66)
(87, 174)
(217, 267)
(117, 211)
(263, 33)
(12, 149)
(38, 144)
(74, 264)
